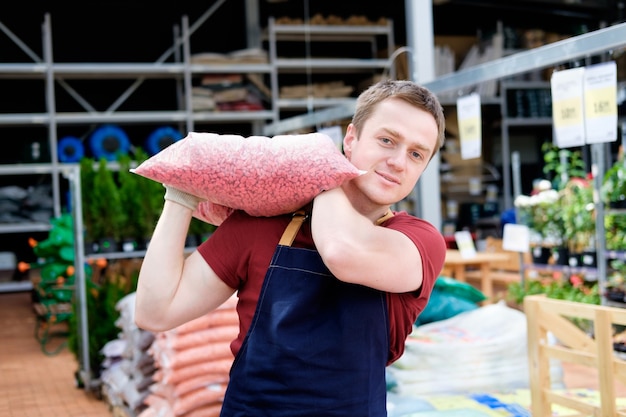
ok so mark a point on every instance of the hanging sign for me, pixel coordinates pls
(567, 107)
(470, 126)
(601, 103)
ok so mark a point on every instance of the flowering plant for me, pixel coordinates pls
(541, 213)
(574, 288)
(578, 213)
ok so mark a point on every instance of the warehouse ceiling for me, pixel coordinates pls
(101, 31)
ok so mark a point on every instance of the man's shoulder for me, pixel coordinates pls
(417, 229)
(403, 218)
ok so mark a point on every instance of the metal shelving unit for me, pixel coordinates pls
(509, 121)
(313, 65)
(53, 75)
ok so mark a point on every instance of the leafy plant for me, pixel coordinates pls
(541, 212)
(615, 231)
(555, 169)
(575, 288)
(131, 200)
(151, 193)
(106, 204)
(617, 277)
(578, 213)
(101, 300)
(613, 188)
(87, 176)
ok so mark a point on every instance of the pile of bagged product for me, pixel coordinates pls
(180, 372)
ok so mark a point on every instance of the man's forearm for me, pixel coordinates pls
(162, 266)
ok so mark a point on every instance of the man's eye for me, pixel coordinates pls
(416, 155)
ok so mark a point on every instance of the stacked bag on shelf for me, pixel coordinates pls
(193, 363)
(128, 367)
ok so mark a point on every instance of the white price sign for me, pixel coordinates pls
(470, 126)
(567, 107)
(601, 103)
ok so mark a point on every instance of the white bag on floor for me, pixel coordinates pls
(480, 350)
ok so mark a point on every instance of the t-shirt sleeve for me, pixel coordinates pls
(242, 246)
(404, 308)
(429, 242)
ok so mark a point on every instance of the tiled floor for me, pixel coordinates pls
(33, 384)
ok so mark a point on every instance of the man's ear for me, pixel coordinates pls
(348, 139)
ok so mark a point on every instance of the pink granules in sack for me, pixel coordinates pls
(260, 175)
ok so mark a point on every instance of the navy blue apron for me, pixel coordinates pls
(316, 346)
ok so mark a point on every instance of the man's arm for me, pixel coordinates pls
(357, 251)
(173, 289)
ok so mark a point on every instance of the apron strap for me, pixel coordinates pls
(292, 228)
(300, 216)
(385, 217)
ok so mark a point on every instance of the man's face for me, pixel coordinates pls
(394, 147)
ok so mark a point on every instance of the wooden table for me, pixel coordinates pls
(457, 265)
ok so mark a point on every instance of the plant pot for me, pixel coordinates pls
(561, 255)
(107, 245)
(91, 247)
(615, 294)
(145, 242)
(620, 204)
(541, 254)
(129, 245)
(573, 260)
(583, 259)
(588, 259)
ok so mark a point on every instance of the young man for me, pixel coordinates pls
(322, 316)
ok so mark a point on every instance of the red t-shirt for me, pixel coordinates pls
(241, 248)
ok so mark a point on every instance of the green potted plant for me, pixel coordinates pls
(87, 176)
(554, 168)
(615, 231)
(574, 287)
(541, 212)
(151, 193)
(101, 301)
(131, 201)
(579, 220)
(616, 281)
(106, 207)
(613, 189)
(571, 288)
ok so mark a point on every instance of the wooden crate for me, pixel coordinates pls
(549, 316)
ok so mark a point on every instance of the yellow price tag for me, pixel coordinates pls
(601, 102)
(470, 128)
(567, 112)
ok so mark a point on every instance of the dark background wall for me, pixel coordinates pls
(138, 30)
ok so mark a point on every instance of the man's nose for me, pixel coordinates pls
(397, 159)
